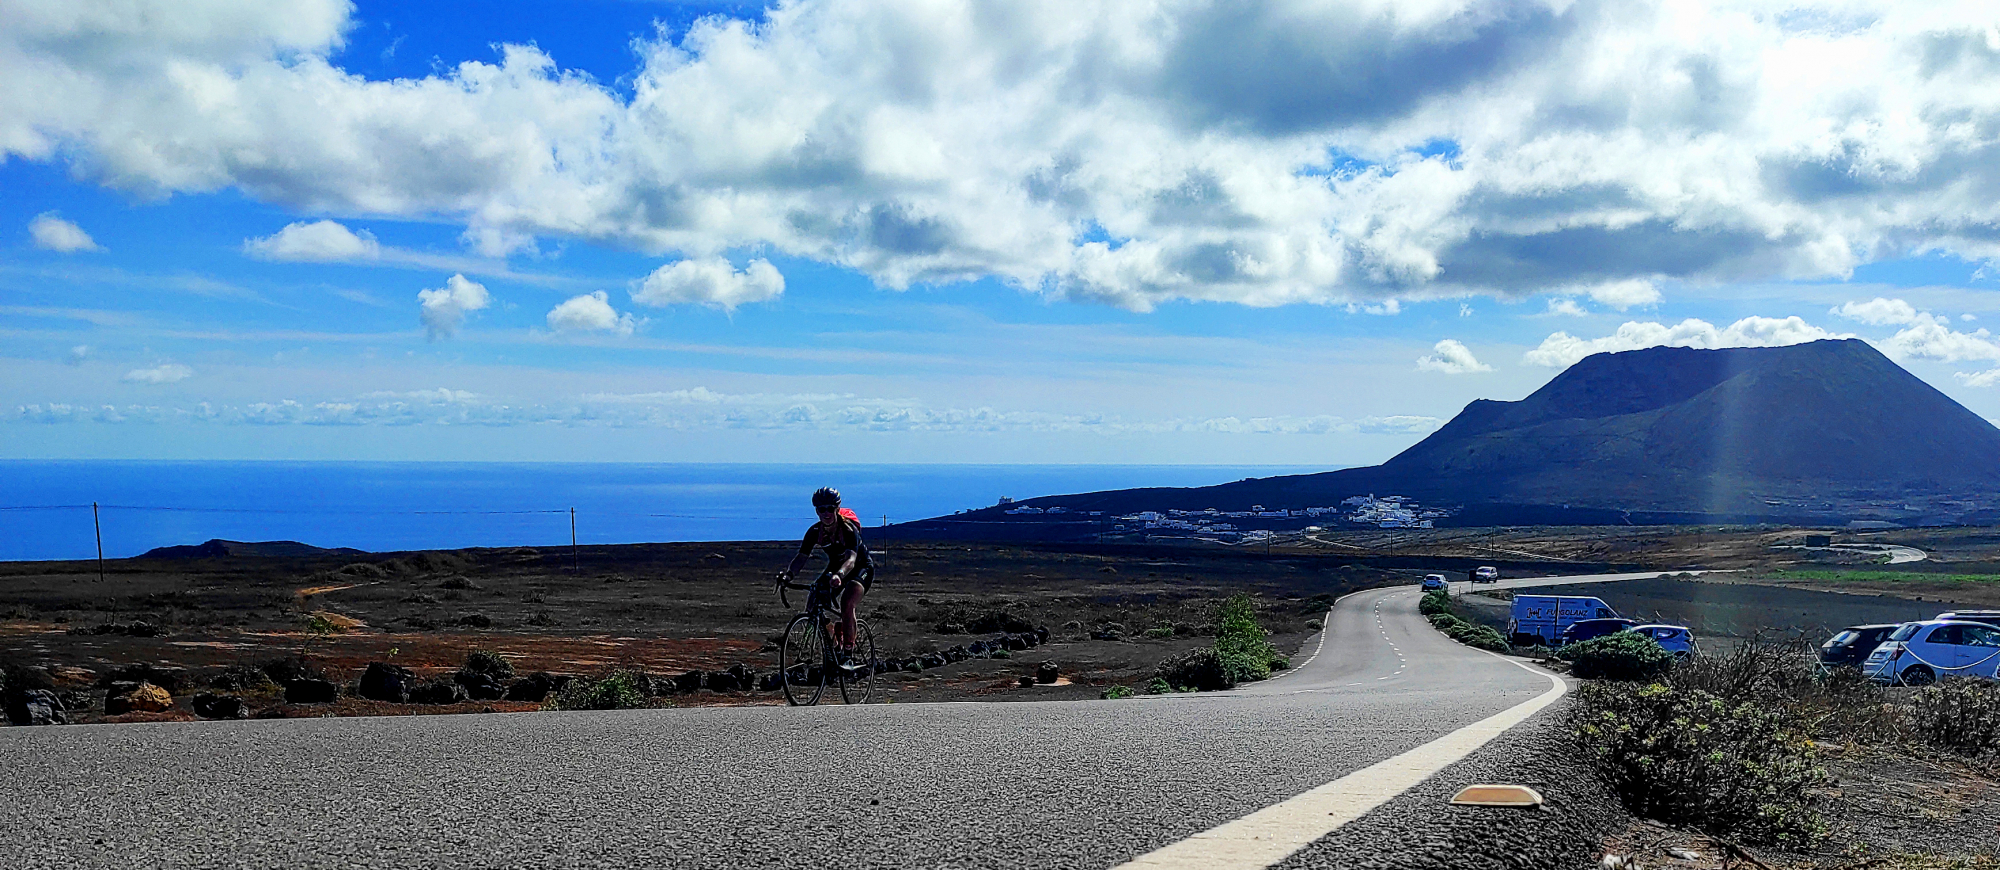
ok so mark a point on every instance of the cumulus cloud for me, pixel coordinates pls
(315, 242)
(1126, 152)
(51, 233)
(710, 281)
(1566, 308)
(1882, 312)
(78, 354)
(591, 312)
(444, 308)
(1979, 379)
(1562, 349)
(1924, 335)
(1451, 358)
(166, 373)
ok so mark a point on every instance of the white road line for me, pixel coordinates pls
(1269, 835)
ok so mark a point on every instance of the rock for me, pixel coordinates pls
(476, 620)
(745, 677)
(438, 692)
(386, 682)
(490, 663)
(171, 679)
(241, 678)
(689, 682)
(459, 583)
(35, 707)
(1104, 634)
(977, 649)
(955, 654)
(950, 628)
(1014, 642)
(72, 674)
(1027, 681)
(141, 698)
(481, 687)
(1042, 634)
(1046, 672)
(285, 671)
(722, 681)
(1029, 639)
(533, 687)
(209, 705)
(772, 682)
(932, 660)
(311, 691)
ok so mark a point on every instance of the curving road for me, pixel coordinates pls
(1055, 784)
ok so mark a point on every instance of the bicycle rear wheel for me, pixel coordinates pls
(857, 684)
(801, 661)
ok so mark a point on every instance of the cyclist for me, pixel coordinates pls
(849, 570)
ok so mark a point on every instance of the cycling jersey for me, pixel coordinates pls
(843, 538)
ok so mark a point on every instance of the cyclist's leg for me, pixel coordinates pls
(850, 602)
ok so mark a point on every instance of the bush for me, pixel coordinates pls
(1689, 757)
(1841, 704)
(1626, 655)
(1159, 632)
(1477, 636)
(1960, 715)
(1159, 686)
(619, 691)
(1198, 669)
(1434, 602)
(1117, 693)
(488, 663)
(1241, 643)
(1444, 621)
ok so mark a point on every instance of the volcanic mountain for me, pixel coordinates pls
(1811, 432)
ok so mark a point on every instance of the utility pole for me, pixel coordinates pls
(885, 519)
(99, 527)
(573, 566)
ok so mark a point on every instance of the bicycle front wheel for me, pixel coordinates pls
(801, 661)
(857, 682)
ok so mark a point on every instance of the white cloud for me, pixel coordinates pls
(1562, 349)
(1883, 312)
(1464, 310)
(316, 242)
(1566, 308)
(1979, 379)
(165, 373)
(1130, 153)
(1968, 318)
(78, 354)
(591, 312)
(443, 309)
(1451, 358)
(710, 281)
(1931, 339)
(51, 233)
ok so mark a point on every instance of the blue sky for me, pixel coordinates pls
(1127, 233)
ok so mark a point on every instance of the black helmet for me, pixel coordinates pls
(826, 496)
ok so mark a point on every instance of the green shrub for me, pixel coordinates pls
(1197, 668)
(1241, 642)
(1477, 636)
(1314, 624)
(1434, 602)
(1689, 757)
(1626, 655)
(619, 691)
(490, 664)
(1840, 704)
(1444, 621)
(1117, 693)
(1959, 715)
(1159, 632)
(1159, 686)
(1001, 654)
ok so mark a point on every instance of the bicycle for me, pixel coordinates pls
(807, 660)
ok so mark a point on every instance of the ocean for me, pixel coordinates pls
(45, 506)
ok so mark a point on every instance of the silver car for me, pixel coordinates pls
(1921, 652)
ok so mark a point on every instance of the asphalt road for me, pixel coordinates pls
(1056, 784)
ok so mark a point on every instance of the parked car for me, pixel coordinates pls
(1485, 574)
(1540, 619)
(1676, 639)
(1990, 617)
(1436, 583)
(1585, 629)
(1918, 653)
(1850, 648)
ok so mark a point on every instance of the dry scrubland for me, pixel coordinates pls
(657, 609)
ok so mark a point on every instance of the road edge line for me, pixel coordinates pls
(1273, 833)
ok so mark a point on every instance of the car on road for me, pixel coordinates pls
(1485, 574)
(1676, 639)
(1436, 583)
(1585, 629)
(1919, 653)
(1850, 648)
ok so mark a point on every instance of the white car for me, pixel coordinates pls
(1485, 574)
(1918, 653)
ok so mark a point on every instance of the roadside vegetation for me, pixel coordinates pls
(1242, 653)
(1836, 576)
(1735, 744)
(1437, 607)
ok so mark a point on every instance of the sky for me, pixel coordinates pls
(1292, 233)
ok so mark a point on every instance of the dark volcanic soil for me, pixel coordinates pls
(658, 608)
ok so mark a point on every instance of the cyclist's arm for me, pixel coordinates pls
(799, 561)
(843, 567)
